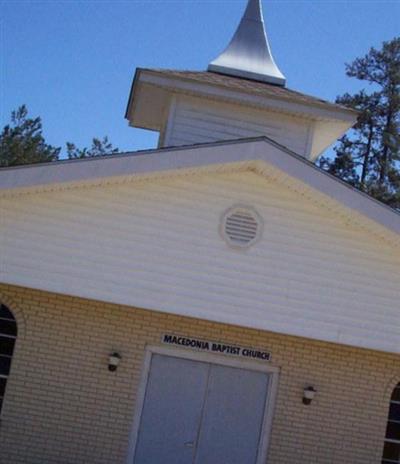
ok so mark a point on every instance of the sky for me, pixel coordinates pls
(72, 62)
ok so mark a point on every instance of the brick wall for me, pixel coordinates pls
(62, 405)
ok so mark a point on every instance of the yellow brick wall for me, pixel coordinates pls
(62, 404)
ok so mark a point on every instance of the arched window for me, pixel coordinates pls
(391, 451)
(8, 335)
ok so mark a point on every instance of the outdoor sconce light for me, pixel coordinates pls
(113, 361)
(309, 394)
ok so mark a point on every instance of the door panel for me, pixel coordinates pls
(233, 415)
(171, 412)
(200, 413)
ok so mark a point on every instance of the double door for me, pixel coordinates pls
(196, 412)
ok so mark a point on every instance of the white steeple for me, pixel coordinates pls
(248, 54)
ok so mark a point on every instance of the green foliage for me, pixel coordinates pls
(369, 158)
(22, 142)
(99, 148)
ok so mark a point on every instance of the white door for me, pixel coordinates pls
(196, 412)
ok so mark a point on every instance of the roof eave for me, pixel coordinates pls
(130, 107)
(216, 91)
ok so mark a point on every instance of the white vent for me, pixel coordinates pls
(241, 226)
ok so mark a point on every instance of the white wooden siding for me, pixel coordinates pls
(191, 121)
(156, 245)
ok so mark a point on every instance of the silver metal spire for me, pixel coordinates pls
(248, 54)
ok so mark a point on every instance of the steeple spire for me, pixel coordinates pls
(248, 54)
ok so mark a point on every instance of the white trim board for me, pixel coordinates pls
(211, 359)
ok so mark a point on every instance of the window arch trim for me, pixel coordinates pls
(391, 449)
(8, 337)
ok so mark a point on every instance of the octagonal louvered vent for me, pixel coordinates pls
(241, 226)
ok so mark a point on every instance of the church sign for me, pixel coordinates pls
(216, 347)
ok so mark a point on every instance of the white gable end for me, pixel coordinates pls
(156, 244)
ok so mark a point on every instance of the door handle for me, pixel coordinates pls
(189, 444)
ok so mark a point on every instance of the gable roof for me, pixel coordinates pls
(259, 154)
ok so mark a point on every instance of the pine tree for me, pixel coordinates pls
(22, 142)
(100, 147)
(369, 158)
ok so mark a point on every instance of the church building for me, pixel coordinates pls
(217, 300)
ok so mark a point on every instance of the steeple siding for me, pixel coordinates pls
(192, 120)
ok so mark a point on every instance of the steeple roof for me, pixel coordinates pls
(248, 54)
(247, 86)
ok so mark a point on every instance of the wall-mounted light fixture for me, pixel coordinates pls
(309, 394)
(113, 361)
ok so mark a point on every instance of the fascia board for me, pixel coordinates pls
(139, 164)
(132, 95)
(276, 104)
